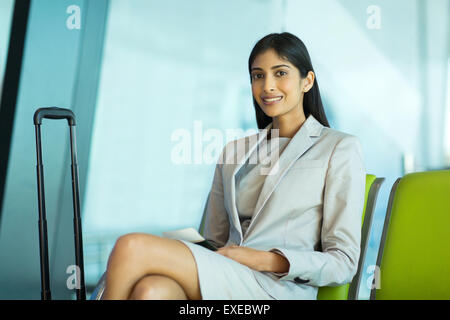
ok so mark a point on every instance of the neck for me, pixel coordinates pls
(288, 125)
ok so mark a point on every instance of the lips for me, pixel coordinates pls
(271, 99)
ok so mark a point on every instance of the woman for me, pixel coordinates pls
(281, 232)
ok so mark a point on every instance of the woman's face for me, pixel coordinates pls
(277, 85)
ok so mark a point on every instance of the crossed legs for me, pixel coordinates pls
(144, 266)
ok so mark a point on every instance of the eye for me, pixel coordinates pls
(257, 76)
(281, 73)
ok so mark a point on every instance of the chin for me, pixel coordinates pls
(272, 112)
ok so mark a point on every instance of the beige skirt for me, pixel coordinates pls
(222, 278)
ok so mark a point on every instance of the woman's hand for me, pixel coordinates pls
(256, 259)
(252, 258)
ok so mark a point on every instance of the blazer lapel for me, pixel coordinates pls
(240, 154)
(298, 145)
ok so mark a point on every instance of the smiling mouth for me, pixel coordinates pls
(272, 100)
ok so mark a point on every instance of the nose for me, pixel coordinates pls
(269, 84)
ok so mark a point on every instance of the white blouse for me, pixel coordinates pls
(250, 178)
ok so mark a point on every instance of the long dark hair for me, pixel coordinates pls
(290, 48)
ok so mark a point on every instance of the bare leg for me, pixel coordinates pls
(157, 288)
(137, 255)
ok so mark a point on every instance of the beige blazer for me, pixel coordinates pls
(309, 209)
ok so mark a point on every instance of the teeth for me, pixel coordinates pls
(273, 99)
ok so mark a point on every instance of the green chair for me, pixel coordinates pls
(350, 291)
(414, 255)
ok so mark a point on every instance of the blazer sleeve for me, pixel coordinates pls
(215, 217)
(343, 205)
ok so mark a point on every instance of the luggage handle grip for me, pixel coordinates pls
(54, 113)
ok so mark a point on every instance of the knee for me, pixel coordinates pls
(128, 245)
(127, 241)
(153, 288)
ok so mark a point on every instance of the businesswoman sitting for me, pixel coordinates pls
(282, 231)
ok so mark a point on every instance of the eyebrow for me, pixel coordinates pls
(274, 67)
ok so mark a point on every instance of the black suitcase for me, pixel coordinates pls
(58, 113)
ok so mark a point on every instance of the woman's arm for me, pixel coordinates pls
(343, 203)
(258, 260)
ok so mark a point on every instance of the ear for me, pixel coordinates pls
(308, 82)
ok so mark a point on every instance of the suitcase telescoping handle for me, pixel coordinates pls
(54, 113)
(58, 113)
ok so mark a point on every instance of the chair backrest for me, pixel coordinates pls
(414, 253)
(351, 290)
